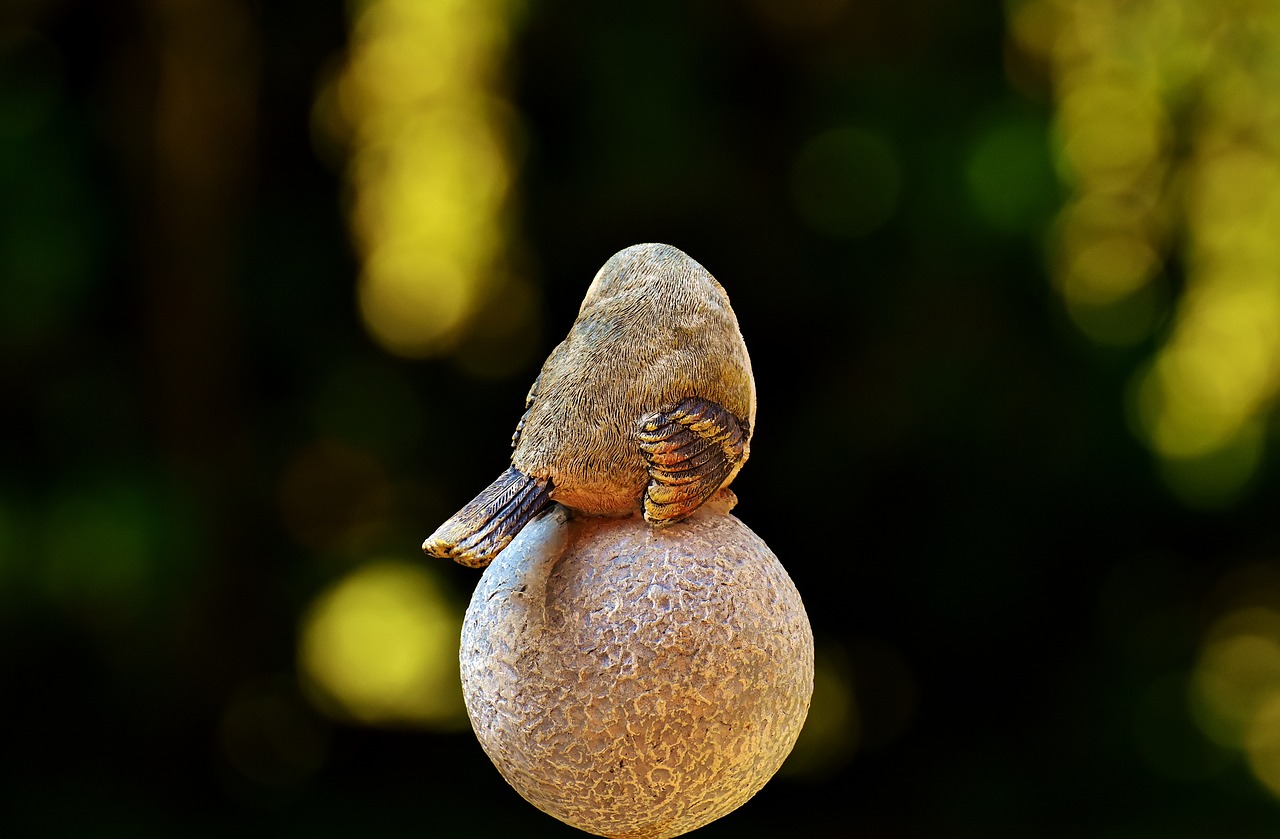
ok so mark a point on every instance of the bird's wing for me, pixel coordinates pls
(528, 405)
(691, 451)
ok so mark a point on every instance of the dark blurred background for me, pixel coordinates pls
(275, 278)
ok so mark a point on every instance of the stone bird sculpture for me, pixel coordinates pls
(647, 406)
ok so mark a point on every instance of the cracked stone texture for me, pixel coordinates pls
(637, 682)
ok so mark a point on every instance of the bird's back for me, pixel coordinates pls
(654, 329)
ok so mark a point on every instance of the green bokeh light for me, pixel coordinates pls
(1010, 179)
(846, 182)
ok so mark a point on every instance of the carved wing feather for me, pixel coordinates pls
(477, 532)
(528, 404)
(691, 450)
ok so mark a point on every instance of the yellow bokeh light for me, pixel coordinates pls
(1170, 138)
(1234, 677)
(1218, 479)
(1262, 744)
(1235, 687)
(1094, 215)
(1111, 133)
(420, 104)
(1236, 673)
(1121, 322)
(1217, 373)
(382, 646)
(1109, 268)
(1233, 206)
(412, 303)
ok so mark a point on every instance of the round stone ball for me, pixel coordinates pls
(632, 681)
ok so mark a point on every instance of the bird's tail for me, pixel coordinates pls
(476, 533)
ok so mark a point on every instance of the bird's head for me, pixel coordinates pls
(649, 275)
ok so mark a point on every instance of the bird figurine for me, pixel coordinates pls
(647, 406)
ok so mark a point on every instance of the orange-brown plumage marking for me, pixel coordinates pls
(692, 450)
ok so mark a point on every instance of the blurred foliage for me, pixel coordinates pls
(1167, 128)
(275, 278)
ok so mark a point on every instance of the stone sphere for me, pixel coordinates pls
(637, 682)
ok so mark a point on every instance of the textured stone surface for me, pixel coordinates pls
(635, 682)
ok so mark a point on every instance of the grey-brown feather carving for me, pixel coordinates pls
(646, 406)
(477, 532)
